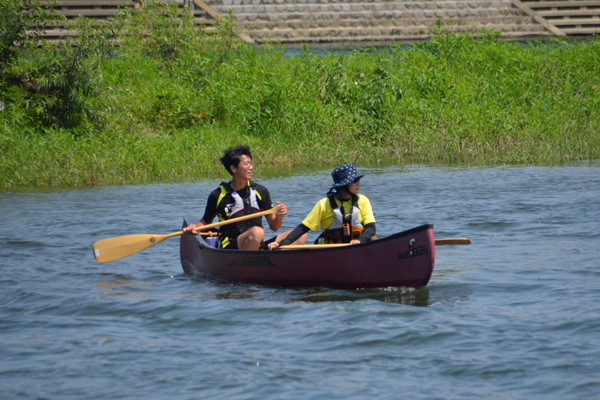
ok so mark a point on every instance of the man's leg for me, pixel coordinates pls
(251, 239)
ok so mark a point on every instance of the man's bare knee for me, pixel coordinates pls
(251, 239)
(257, 233)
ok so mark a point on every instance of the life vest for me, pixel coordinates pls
(344, 227)
(236, 206)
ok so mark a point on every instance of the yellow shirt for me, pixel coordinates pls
(322, 213)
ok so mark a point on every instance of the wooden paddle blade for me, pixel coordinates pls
(452, 241)
(115, 248)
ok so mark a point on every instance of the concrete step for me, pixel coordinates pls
(569, 13)
(582, 31)
(229, 3)
(370, 40)
(325, 20)
(576, 21)
(88, 3)
(333, 17)
(364, 23)
(359, 6)
(329, 34)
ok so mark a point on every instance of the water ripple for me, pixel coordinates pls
(514, 315)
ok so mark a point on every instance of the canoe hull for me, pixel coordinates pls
(403, 259)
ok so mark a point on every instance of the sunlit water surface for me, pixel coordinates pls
(514, 315)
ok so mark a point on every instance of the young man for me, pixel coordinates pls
(240, 197)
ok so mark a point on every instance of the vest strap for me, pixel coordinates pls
(345, 232)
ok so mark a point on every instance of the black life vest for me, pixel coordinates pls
(231, 205)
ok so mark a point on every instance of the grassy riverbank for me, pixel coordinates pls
(165, 104)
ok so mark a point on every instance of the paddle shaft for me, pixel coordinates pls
(452, 241)
(226, 222)
(215, 234)
(119, 247)
(438, 242)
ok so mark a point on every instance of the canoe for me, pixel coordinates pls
(402, 259)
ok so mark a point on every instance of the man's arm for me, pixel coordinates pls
(275, 220)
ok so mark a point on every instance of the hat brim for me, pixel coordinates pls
(347, 181)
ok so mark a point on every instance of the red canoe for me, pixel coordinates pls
(403, 259)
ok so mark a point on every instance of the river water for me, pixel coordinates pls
(515, 315)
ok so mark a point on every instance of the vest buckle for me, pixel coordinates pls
(346, 229)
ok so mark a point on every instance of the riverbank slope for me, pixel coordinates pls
(164, 108)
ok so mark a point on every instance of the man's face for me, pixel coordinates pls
(244, 169)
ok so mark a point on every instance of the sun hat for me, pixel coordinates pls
(345, 174)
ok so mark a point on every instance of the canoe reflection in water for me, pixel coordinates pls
(402, 259)
(400, 295)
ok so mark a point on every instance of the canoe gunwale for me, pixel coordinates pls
(394, 236)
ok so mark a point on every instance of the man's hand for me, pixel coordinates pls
(275, 220)
(281, 210)
(191, 229)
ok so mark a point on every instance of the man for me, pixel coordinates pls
(240, 197)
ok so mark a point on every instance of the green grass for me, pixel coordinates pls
(167, 113)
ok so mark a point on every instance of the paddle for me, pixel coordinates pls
(452, 241)
(209, 234)
(438, 242)
(118, 247)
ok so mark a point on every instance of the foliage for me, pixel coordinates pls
(171, 96)
(16, 18)
(56, 82)
(159, 29)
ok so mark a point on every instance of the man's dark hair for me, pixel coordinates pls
(232, 157)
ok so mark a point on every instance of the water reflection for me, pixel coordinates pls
(229, 291)
(240, 294)
(399, 295)
(124, 286)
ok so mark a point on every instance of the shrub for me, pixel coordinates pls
(56, 81)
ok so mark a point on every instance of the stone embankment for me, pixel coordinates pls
(361, 21)
(373, 20)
